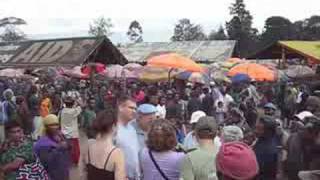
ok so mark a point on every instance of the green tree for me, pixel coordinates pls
(11, 32)
(101, 27)
(186, 31)
(240, 28)
(277, 28)
(218, 35)
(135, 32)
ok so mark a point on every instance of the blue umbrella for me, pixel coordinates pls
(240, 78)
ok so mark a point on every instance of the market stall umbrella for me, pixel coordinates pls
(194, 77)
(174, 61)
(254, 71)
(156, 74)
(132, 66)
(11, 72)
(299, 71)
(230, 63)
(75, 73)
(118, 71)
(98, 67)
(240, 78)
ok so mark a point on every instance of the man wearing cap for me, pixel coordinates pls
(52, 149)
(199, 164)
(190, 141)
(146, 114)
(135, 132)
(298, 121)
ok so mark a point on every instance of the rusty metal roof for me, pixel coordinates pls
(55, 52)
(200, 51)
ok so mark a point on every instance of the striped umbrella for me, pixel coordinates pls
(195, 77)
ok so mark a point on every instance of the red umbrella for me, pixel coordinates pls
(99, 67)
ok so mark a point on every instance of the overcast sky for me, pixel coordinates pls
(72, 17)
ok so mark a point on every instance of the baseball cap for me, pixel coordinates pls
(270, 105)
(196, 116)
(147, 109)
(206, 124)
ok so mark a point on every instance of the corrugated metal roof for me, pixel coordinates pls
(200, 51)
(293, 49)
(54, 52)
(310, 49)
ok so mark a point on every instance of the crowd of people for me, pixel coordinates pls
(162, 131)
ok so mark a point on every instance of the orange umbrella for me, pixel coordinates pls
(255, 71)
(176, 61)
(235, 60)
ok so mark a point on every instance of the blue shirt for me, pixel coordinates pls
(141, 135)
(127, 141)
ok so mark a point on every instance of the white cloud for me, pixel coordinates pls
(58, 16)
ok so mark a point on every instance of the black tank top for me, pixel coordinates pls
(95, 173)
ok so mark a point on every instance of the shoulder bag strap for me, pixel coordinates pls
(157, 166)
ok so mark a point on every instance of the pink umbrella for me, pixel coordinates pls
(11, 72)
(75, 72)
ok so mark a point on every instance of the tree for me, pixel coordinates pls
(186, 31)
(240, 28)
(218, 35)
(101, 27)
(277, 28)
(135, 32)
(11, 31)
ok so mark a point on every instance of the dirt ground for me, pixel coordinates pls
(77, 172)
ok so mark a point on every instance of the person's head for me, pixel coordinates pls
(126, 108)
(14, 131)
(220, 104)
(235, 115)
(154, 100)
(146, 114)
(8, 94)
(313, 104)
(161, 136)
(105, 122)
(177, 97)
(170, 95)
(92, 103)
(194, 94)
(69, 102)
(33, 89)
(162, 100)
(205, 90)
(266, 127)
(195, 116)
(232, 134)
(206, 128)
(51, 124)
(269, 109)
(236, 161)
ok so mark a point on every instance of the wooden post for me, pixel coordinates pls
(283, 57)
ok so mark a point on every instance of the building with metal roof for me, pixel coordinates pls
(309, 50)
(200, 51)
(59, 52)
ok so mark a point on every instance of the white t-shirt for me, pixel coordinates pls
(161, 111)
(69, 122)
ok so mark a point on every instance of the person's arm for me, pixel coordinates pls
(119, 168)
(12, 166)
(186, 172)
